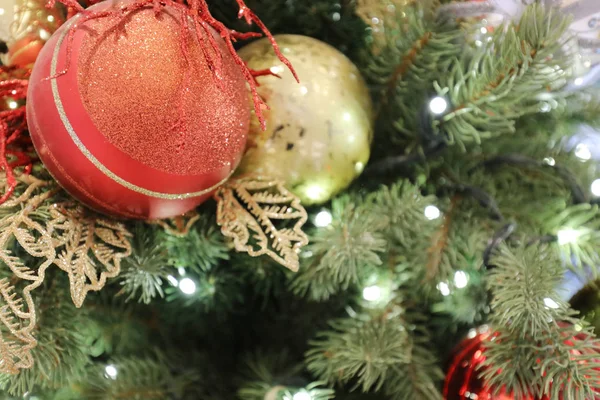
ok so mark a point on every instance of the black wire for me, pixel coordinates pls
(567, 176)
(500, 236)
(484, 198)
(394, 163)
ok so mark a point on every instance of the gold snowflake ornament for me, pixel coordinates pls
(64, 234)
(263, 218)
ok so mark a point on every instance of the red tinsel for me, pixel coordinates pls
(14, 145)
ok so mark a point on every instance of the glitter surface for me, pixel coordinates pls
(149, 101)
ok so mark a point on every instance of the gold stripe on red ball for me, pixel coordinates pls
(96, 145)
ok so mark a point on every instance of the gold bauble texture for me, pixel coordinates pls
(319, 131)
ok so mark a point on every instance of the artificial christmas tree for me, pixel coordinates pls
(479, 199)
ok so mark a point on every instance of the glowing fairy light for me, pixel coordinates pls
(550, 161)
(443, 288)
(13, 105)
(461, 279)
(44, 34)
(438, 105)
(596, 188)
(315, 192)
(172, 280)
(548, 302)
(323, 219)
(567, 236)
(303, 395)
(582, 151)
(372, 293)
(359, 167)
(432, 212)
(578, 82)
(545, 107)
(277, 69)
(111, 371)
(187, 286)
(306, 254)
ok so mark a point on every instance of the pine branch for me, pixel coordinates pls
(417, 48)
(577, 229)
(270, 377)
(539, 348)
(136, 378)
(489, 91)
(201, 249)
(342, 254)
(146, 269)
(377, 353)
(62, 352)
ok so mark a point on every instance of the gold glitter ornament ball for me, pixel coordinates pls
(319, 131)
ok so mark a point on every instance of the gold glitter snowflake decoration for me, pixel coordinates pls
(63, 234)
(263, 218)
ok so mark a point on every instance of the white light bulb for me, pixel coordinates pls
(596, 188)
(483, 30)
(302, 396)
(359, 167)
(44, 34)
(13, 105)
(461, 279)
(438, 105)
(578, 81)
(372, 293)
(277, 69)
(323, 219)
(315, 192)
(187, 286)
(50, 18)
(111, 371)
(582, 151)
(432, 212)
(567, 235)
(181, 271)
(548, 302)
(550, 161)
(172, 280)
(443, 288)
(545, 107)
(306, 254)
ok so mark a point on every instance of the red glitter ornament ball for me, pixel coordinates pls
(136, 114)
(462, 380)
